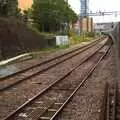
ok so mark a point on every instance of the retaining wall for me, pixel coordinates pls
(115, 34)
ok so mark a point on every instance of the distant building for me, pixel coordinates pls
(77, 27)
(101, 27)
(84, 25)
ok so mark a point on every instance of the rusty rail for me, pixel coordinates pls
(11, 116)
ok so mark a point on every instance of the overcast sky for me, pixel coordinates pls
(96, 5)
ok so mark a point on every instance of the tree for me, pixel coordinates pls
(19, 14)
(8, 7)
(49, 15)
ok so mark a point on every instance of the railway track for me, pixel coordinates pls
(45, 105)
(30, 72)
(52, 59)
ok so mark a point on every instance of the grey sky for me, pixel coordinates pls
(96, 5)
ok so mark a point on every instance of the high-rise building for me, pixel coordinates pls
(84, 8)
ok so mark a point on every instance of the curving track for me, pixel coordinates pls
(30, 72)
(46, 105)
(52, 59)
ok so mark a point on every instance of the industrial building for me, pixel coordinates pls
(86, 24)
(101, 27)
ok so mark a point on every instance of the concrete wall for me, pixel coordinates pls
(115, 34)
(116, 37)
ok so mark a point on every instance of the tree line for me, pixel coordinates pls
(8, 8)
(52, 15)
(46, 15)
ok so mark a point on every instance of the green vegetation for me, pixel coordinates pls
(52, 15)
(74, 39)
(77, 39)
(44, 34)
(8, 8)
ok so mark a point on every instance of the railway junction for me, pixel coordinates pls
(78, 83)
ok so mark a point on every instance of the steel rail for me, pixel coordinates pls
(11, 115)
(41, 71)
(49, 60)
(81, 83)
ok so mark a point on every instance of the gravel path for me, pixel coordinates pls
(85, 105)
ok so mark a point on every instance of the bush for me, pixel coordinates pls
(91, 34)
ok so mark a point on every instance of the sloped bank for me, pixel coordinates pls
(17, 38)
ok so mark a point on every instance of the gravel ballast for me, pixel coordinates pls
(85, 105)
(13, 98)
